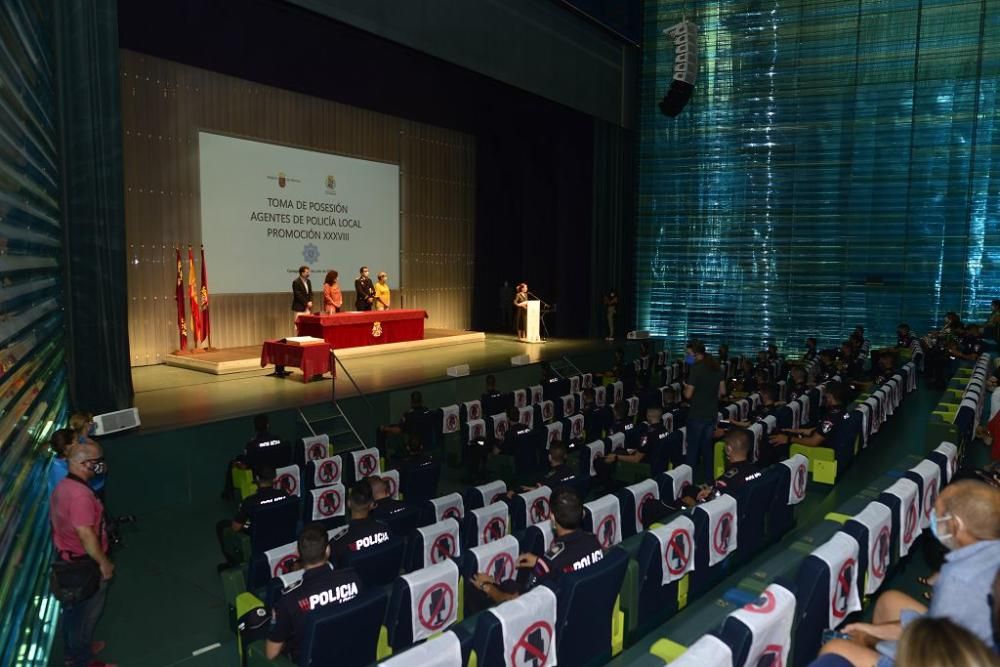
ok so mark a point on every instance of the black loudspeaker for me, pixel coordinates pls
(685, 38)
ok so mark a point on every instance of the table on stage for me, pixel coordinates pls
(313, 358)
(358, 328)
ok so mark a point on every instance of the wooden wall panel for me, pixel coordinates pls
(165, 104)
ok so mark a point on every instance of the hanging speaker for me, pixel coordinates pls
(685, 38)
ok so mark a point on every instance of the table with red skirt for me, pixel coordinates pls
(313, 358)
(359, 328)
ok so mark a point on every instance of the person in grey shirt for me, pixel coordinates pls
(966, 520)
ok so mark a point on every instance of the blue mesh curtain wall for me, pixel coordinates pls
(835, 166)
(32, 345)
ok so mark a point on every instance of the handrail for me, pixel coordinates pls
(308, 425)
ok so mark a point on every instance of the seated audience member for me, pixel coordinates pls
(797, 385)
(491, 399)
(508, 445)
(673, 405)
(549, 382)
(833, 418)
(409, 423)
(848, 365)
(937, 642)
(622, 422)
(763, 371)
(559, 472)
(723, 354)
(810, 352)
(363, 531)
(772, 352)
(414, 455)
(744, 380)
(827, 366)
(259, 450)
(227, 529)
(321, 586)
(768, 406)
(572, 549)
(903, 336)
(593, 417)
(59, 467)
(966, 520)
(385, 505)
(969, 346)
(884, 369)
(739, 470)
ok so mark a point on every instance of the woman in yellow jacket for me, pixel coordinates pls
(382, 292)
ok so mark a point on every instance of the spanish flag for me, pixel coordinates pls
(193, 296)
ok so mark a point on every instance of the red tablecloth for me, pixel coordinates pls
(313, 359)
(354, 329)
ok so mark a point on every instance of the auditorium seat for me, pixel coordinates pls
(444, 650)
(419, 483)
(663, 563)
(425, 601)
(754, 501)
(589, 625)
(485, 524)
(322, 472)
(359, 464)
(760, 632)
(428, 545)
(327, 505)
(716, 531)
(377, 565)
(345, 635)
(535, 612)
(530, 507)
(311, 448)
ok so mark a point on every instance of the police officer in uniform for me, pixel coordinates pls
(385, 505)
(572, 549)
(810, 353)
(970, 346)
(410, 423)
(492, 400)
(796, 383)
(320, 587)
(903, 336)
(264, 448)
(593, 419)
(675, 407)
(832, 419)
(739, 471)
(364, 290)
(363, 531)
(559, 471)
(227, 530)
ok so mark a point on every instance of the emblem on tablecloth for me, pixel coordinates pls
(376, 329)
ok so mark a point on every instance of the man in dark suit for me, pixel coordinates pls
(302, 292)
(364, 291)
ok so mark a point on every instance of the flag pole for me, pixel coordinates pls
(210, 348)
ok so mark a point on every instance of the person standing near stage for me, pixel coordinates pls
(302, 293)
(611, 309)
(521, 310)
(382, 292)
(333, 299)
(364, 291)
(704, 386)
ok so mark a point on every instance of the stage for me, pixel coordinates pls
(244, 359)
(169, 396)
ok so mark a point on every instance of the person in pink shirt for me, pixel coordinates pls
(78, 532)
(333, 298)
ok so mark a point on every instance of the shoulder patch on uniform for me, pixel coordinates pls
(292, 586)
(556, 549)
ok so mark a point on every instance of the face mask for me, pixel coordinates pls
(98, 467)
(944, 538)
(689, 359)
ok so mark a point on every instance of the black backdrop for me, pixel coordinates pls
(534, 157)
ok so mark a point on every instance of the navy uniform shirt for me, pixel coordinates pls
(387, 507)
(734, 478)
(265, 448)
(796, 390)
(652, 435)
(971, 344)
(319, 588)
(558, 475)
(361, 534)
(413, 418)
(509, 443)
(264, 495)
(569, 553)
(830, 422)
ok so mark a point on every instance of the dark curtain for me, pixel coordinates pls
(93, 204)
(613, 231)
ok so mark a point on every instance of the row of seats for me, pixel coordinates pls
(786, 605)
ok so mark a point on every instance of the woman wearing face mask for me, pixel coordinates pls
(704, 387)
(84, 427)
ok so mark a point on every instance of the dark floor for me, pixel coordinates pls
(166, 601)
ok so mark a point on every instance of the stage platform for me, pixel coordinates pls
(171, 397)
(244, 359)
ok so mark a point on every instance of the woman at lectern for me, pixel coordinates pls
(332, 298)
(382, 292)
(521, 310)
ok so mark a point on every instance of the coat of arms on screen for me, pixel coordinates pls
(376, 329)
(331, 185)
(281, 179)
(310, 253)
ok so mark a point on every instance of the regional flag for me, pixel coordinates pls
(193, 296)
(205, 323)
(181, 324)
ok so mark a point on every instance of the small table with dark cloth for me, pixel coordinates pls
(359, 328)
(313, 358)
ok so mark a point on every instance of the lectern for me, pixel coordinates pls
(534, 311)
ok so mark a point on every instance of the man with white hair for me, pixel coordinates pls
(78, 533)
(966, 520)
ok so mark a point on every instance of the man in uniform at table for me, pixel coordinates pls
(364, 291)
